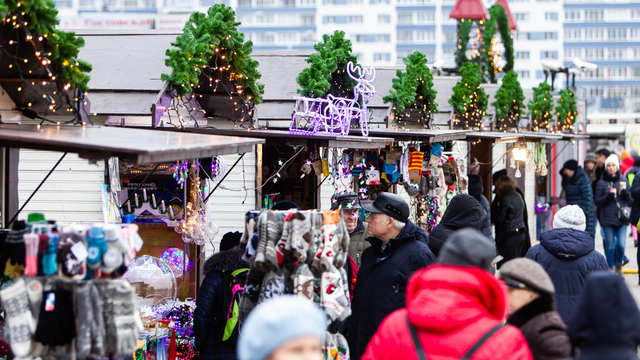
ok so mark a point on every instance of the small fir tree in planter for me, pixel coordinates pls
(412, 91)
(509, 102)
(541, 107)
(567, 110)
(469, 99)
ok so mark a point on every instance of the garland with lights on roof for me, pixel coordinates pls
(493, 59)
(211, 48)
(327, 73)
(56, 50)
(509, 102)
(469, 100)
(412, 90)
(567, 110)
(541, 107)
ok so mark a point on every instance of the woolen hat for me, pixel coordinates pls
(590, 157)
(571, 165)
(347, 200)
(496, 175)
(285, 205)
(613, 158)
(389, 204)
(529, 273)
(570, 216)
(276, 321)
(468, 247)
(230, 240)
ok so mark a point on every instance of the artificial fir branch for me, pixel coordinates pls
(541, 107)
(469, 99)
(463, 41)
(509, 102)
(567, 110)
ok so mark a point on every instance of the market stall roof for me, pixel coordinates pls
(493, 137)
(577, 137)
(605, 136)
(431, 136)
(278, 137)
(134, 145)
(540, 136)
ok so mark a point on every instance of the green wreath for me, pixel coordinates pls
(213, 39)
(41, 21)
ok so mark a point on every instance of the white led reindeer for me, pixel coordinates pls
(336, 113)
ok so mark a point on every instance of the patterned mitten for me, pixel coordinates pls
(332, 237)
(96, 245)
(342, 345)
(268, 232)
(69, 266)
(34, 291)
(283, 246)
(300, 236)
(342, 248)
(49, 265)
(272, 285)
(19, 322)
(31, 242)
(315, 249)
(333, 299)
(113, 258)
(12, 255)
(303, 282)
(330, 350)
(122, 326)
(251, 294)
(247, 237)
(91, 332)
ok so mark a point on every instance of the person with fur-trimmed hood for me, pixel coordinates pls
(210, 298)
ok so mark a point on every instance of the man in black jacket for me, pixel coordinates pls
(464, 211)
(398, 248)
(527, 238)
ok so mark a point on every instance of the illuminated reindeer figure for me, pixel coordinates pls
(336, 113)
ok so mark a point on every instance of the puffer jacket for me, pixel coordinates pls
(382, 282)
(463, 212)
(209, 305)
(507, 213)
(358, 242)
(451, 308)
(475, 190)
(578, 192)
(608, 209)
(543, 328)
(635, 195)
(568, 256)
(609, 323)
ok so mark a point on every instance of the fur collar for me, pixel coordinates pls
(541, 305)
(225, 260)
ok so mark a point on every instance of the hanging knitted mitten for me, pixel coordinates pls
(333, 299)
(97, 245)
(283, 246)
(12, 257)
(303, 282)
(300, 236)
(72, 253)
(317, 238)
(18, 319)
(269, 231)
(342, 247)
(113, 258)
(342, 345)
(272, 285)
(332, 238)
(330, 350)
(31, 242)
(415, 166)
(124, 316)
(56, 323)
(91, 332)
(49, 265)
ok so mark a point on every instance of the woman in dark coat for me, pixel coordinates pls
(578, 192)
(475, 190)
(210, 298)
(507, 214)
(612, 192)
(463, 212)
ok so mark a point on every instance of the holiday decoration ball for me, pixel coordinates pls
(174, 259)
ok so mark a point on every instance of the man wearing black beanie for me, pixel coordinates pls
(577, 188)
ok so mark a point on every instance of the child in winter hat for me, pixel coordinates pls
(275, 326)
(570, 216)
(613, 158)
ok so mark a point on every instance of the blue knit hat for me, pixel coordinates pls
(277, 321)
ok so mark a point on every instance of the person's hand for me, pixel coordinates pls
(611, 196)
(624, 193)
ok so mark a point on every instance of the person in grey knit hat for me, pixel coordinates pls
(286, 327)
(532, 309)
(468, 247)
(568, 254)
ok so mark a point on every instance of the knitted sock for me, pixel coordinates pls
(269, 233)
(317, 240)
(333, 299)
(49, 265)
(13, 251)
(342, 345)
(330, 350)
(415, 166)
(332, 236)
(272, 285)
(31, 242)
(342, 248)
(283, 246)
(18, 319)
(251, 294)
(34, 291)
(97, 246)
(121, 299)
(42, 250)
(113, 257)
(303, 282)
(300, 236)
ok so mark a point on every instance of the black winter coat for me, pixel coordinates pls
(609, 323)
(635, 195)
(578, 192)
(463, 212)
(209, 304)
(507, 213)
(568, 256)
(475, 190)
(607, 208)
(382, 281)
(543, 329)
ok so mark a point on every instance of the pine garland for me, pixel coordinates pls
(567, 110)
(327, 73)
(213, 39)
(469, 99)
(413, 89)
(61, 47)
(541, 107)
(463, 41)
(499, 17)
(509, 102)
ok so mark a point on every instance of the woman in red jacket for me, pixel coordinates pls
(452, 309)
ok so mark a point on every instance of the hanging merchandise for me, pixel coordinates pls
(415, 165)
(180, 173)
(435, 155)
(428, 212)
(218, 168)
(196, 226)
(540, 159)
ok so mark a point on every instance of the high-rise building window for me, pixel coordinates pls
(548, 55)
(522, 16)
(378, 57)
(571, 34)
(550, 35)
(244, 3)
(591, 53)
(594, 15)
(384, 19)
(355, 19)
(523, 74)
(287, 37)
(520, 35)
(308, 20)
(449, 36)
(617, 53)
(308, 38)
(265, 18)
(591, 34)
(405, 18)
(522, 55)
(405, 36)
(400, 55)
(87, 4)
(572, 15)
(383, 38)
(425, 36)
(307, 3)
(571, 53)
(619, 34)
(551, 16)
(423, 17)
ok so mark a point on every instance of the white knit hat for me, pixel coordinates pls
(613, 158)
(570, 216)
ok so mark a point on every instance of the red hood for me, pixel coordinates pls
(627, 163)
(443, 299)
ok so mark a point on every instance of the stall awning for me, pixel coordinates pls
(431, 136)
(493, 137)
(541, 137)
(134, 145)
(574, 137)
(278, 137)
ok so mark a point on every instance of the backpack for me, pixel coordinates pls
(227, 319)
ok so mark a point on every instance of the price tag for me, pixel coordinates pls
(50, 302)
(80, 251)
(373, 177)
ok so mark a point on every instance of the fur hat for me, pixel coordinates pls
(529, 273)
(570, 216)
(613, 158)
